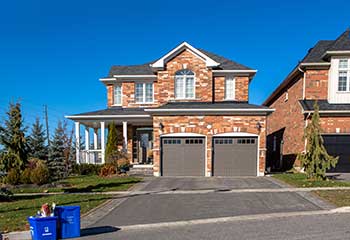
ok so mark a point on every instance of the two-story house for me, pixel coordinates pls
(185, 114)
(322, 75)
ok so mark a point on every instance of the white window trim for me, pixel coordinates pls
(144, 93)
(234, 88)
(121, 95)
(347, 70)
(184, 87)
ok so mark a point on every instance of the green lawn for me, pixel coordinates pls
(300, 180)
(91, 183)
(339, 198)
(13, 215)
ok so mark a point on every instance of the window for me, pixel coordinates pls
(194, 141)
(117, 95)
(144, 92)
(343, 75)
(184, 84)
(230, 88)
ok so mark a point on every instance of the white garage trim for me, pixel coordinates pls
(236, 134)
(207, 173)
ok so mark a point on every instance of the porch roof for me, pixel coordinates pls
(324, 107)
(112, 113)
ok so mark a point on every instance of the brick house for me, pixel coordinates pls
(322, 75)
(185, 114)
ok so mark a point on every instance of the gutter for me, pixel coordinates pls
(209, 110)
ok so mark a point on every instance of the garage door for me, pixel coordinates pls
(235, 156)
(183, 156)
(339, 145)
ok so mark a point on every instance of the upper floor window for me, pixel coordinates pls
(230, 88)
(343, 75)
(143, 92)
(184, 84)
(117, 95)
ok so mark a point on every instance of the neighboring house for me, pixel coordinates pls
(323, 75)
(185, 114)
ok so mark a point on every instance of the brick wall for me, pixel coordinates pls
(208, 125)
(288, 122)
(331, 123)
(241, 91)
(316, 84)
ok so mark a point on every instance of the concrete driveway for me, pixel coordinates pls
(190, 204)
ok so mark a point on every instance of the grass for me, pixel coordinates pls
(90, 183)
(13, 215)
(339, 198)
(300, 180)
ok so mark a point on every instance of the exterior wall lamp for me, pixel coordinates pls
(161, 126)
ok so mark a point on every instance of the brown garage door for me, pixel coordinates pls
(339, 145)
(235, 156)
(183, 156)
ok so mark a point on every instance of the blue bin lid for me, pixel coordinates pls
(41, 219)
(67, 207)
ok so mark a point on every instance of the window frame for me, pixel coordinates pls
(347, 71)
(144, 93)
(114, 95)
(184, 78)
(227, 78)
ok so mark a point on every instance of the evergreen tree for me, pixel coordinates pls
(13, 140)
(112, 141)
(316, 160)
(36, 141)
(56, 160)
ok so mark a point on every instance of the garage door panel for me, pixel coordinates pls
(339, 145)
(235, 156)
(185, 158)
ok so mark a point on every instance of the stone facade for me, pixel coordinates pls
(209, 126)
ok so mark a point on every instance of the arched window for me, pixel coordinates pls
(184, 84)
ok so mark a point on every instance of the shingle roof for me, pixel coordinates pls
(146, 69)
(211, 105)
(315, 54)
(114, 111)
(342, 42)
(324, 105)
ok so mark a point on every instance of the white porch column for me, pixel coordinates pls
(95, 138)
(125, 136)
(77, 142)
(87, 144)
(103, 141)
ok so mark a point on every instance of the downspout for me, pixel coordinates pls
(304, 79)
(306, 123)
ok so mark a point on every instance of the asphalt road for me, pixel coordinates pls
(327, 227)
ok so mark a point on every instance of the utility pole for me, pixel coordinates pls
(47, 125)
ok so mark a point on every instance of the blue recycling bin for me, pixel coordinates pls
(68, 221)
(43, 228)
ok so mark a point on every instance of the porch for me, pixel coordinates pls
(134, 135)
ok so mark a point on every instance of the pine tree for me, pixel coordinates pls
(13, 140)
(56, 160)
(37, 141)
(316, 160)
(112, 141)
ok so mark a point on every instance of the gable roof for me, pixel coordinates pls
(222, 63)
(316, 56)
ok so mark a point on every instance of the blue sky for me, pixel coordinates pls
(54, 52)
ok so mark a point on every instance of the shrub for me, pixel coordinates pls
(25, 176)
(13, 176)
(115, 156)
(5, 195)
(40, 175)
(108, 169)
(86, 169)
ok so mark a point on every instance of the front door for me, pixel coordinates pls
(144, 146)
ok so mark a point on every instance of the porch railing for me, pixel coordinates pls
(91, 156)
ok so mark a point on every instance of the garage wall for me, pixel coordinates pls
(209, 126)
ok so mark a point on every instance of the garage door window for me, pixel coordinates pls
(246, 141)
(194, 141)
(172, 141)
(223, 141)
